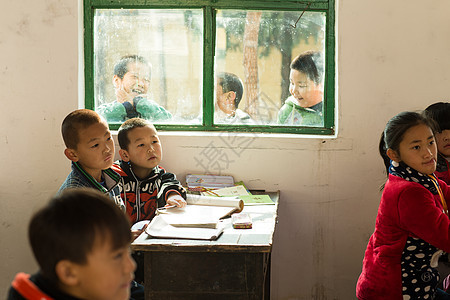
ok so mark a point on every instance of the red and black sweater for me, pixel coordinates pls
(143, 196)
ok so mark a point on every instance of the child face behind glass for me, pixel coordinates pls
(304, 90)
(136, 81)
(443, 142)
(107, 274)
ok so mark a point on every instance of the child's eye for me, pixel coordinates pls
(154, 142)
(141, 145)
(94, 146)
(416, 147)
(119, 255)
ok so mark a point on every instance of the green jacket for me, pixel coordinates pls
(146, 109)
(293, 114)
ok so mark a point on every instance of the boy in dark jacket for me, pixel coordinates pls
(90, 147)
(146, 186)
(87, 259)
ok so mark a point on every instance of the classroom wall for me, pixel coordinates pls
(392, 56)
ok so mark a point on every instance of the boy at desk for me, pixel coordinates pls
(146, 186)
(78, 260)
(90, 147)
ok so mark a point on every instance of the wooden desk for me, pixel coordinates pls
(235, 266)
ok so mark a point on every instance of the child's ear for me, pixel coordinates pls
(124, 155)
(231, 96)
(71, 154)
(393, 155)
(116, 81)
(67, 272)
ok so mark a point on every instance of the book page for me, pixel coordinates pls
(158, 228)
(201, 211)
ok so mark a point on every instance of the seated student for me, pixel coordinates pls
(90, 147)
(440, 113)
(146, 185)
(81, 242)
(131, 83)
(229, 90)
(304, 106)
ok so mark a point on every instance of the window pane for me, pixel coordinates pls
(258, 47)
(161, 79)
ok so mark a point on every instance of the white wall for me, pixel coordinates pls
(392, 56)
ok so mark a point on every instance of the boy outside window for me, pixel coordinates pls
(81, 241)
(131, 82)
(90, 147)
(304, 106)
(229, 90)
(146, 185)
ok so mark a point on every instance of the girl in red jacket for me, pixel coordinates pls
(412, 226)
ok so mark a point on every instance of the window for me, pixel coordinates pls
(217, 65)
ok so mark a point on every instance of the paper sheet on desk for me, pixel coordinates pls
(158, 228)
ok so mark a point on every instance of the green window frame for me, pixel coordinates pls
(209, 8)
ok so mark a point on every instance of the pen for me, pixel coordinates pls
(167, 207)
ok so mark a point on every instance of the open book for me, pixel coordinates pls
(200, 219)
(201, 211)
(158, 228)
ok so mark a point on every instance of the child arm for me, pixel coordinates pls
(420, 215)
(171, 191)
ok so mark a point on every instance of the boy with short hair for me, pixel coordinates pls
(81, 241)
(305, 105)
(131, 81)
(229, 90)
(90, 147)
(146, 185)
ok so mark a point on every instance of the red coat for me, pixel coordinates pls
(406, 209)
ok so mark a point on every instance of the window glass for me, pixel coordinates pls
(148, 63)
(212, 65)
(254, 81)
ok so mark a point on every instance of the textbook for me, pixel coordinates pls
(201, 182)
(256, 199)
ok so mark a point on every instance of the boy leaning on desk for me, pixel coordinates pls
(145, 186)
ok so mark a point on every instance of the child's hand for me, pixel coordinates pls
(176, 200)
(123, 96)
(137, 230)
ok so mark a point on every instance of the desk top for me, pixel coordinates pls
(257, 239)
